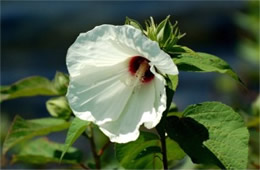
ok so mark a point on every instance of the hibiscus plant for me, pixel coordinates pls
(122, 81)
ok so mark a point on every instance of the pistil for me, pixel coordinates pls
(140, 73)
(140, 68)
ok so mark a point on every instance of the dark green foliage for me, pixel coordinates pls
(22, 130)
(43, 151)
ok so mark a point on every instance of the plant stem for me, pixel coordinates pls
(101, 151)
(93, 149)
(161, 131)
(164, 152)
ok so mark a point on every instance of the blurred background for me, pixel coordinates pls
(35, 36)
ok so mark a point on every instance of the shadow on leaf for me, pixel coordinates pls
(190, 135)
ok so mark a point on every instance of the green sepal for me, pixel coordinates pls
(150, 31)
(164, 31)
(134, 23)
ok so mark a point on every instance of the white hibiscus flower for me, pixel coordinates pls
(116, 80)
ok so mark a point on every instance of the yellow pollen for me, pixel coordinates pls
(140, 73)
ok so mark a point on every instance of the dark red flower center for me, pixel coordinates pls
(140, 68)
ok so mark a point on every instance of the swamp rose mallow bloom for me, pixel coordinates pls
(116, 80)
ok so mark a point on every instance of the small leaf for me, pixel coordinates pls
(61, 82)
(134, 23)
(58, 107)
(30, 86)
(76, 128)
(174, 152)
(22, 130)
(176, 50)
(42, 151)
(144, 153)
(203, 62)
(228, 135)
(172, 82)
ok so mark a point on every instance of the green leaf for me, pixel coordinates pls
(172, 82)
(228, 135)
(221, 131)
(43, 151)
(22, 130)
(176, 50)
(256, 106)
(134, 23)
(76, 128)
(174, 152)
(34, 86)
(203, 62)
(58, 107)
(61, 82)
(145, 152)
(173, 111)
(173, 107)
(30, 86)
(190, 136)
(171, 85)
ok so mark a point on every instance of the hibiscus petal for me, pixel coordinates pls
(159, 102)
(139, 109)
(149, 49)
(107, 45)
(164, 64)
(97, 48)
(101, 100)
